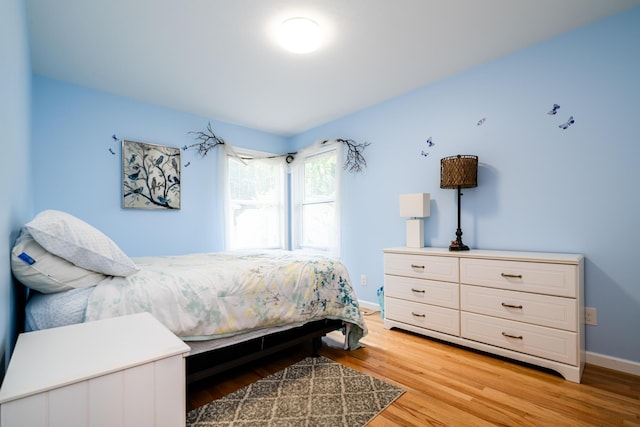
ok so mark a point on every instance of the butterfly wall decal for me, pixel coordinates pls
(430, 144)
(553, 110)
(115, 138)
(567, 123)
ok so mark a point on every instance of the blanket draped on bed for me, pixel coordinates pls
(215, 295)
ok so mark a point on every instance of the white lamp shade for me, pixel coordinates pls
(415, 205)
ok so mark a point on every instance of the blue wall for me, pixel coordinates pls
(15, 81)
(75, 172)
(541, 188)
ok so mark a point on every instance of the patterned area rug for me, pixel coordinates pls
(314, 392)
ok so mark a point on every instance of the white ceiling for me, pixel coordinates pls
(219, 59)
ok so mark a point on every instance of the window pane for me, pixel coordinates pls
(315, 199)
(256, 195)
(320, 178)
(257, 180)
(254, 226)
(318, 225)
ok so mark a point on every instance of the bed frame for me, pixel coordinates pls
(205, 364)
(208, 363)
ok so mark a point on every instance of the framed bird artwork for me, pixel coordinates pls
(150, 176)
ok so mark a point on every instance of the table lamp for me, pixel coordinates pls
(415, 207)
(459, 172)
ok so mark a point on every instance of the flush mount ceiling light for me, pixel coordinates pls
(300, 35)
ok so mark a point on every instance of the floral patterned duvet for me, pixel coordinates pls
(215, 295)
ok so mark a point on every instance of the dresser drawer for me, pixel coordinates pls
(544, 310)
(541, 278)
(444, 294)
(553, 344)
(422, 266)
(423, 315)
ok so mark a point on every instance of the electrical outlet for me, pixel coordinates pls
(590, 316)
(363, 280)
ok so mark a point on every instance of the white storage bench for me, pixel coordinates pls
(125, 371)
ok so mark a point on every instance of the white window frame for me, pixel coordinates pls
(254, 156)
(297, 198)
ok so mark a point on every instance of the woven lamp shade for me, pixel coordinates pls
(459, 171)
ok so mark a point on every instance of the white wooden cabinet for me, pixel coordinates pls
(527, 306)
(125, 371)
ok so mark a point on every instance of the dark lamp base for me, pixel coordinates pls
(458, 246)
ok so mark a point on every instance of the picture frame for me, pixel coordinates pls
(150, 176)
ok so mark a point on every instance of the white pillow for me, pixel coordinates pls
(79, 243)
(38, 269)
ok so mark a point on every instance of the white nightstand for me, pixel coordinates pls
(123, 371)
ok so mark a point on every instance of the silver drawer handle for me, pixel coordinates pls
(512, 276)
(420, 291)
(417, 314)
(504, 334)
(511, 306)
(417, 266)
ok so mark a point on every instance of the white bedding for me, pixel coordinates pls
(46, 311)
(215, 295)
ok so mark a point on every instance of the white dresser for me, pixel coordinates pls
(527, 306)
(125, 371)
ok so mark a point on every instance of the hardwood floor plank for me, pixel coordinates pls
(449, 385)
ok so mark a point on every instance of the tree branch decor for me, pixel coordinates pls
(354, 162)
(208, 141)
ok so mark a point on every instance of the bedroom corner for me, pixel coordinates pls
(15, 122)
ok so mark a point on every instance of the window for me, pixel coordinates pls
(255, 203)
(257, 208)
(315, 187)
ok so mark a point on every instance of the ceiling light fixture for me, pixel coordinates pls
(300, 35)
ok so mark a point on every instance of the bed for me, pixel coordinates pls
(230, 307)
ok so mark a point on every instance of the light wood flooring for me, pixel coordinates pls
(452, 386)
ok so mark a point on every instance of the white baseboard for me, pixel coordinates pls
(604, 361)
(610, 362)
(369, 305)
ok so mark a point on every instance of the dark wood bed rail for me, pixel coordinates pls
(202, 365)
